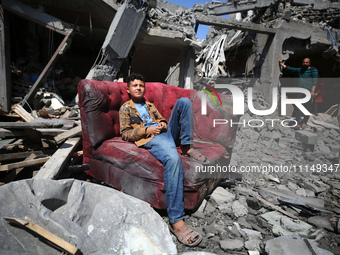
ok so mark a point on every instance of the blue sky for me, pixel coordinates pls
(202, 29)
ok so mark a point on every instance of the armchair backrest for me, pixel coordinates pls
(100, 101)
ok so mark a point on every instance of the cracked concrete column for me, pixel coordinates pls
(187, 69)
(119, 39)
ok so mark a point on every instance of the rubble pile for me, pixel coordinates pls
(306, 14)
(295, 208)
(319, 143)
(181, 20)
(324, 17)
(325, 13)
(269, 209)
(282, 193)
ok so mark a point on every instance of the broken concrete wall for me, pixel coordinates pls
(167, 26)
(312, 38)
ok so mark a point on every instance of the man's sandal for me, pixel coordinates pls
(197, 156)
(184, 235)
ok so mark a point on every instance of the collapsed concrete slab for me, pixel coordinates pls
(94, 218)
(231, 24)
(222, 8)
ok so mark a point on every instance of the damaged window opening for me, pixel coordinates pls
(202, 31)
(271, 185)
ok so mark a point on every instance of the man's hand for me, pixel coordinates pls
(163, 126)
(153, 131)
(281, 63)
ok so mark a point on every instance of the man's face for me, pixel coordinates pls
(306, 63)
(136, 89)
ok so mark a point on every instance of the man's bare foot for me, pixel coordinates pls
(176, 226)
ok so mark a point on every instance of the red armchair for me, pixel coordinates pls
(134, 170)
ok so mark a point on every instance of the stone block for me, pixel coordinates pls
(252, 234)
(306, 137)
(321, 222)
(222, 196)
(334, 148)
(231, 244)
(313, 187)
(253, 244)
(239, 209)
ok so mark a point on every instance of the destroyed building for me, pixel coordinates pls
(69, 40)
(49, 46)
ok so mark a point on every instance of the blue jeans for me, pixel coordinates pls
(163, 147)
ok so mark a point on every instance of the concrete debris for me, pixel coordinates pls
(306, 137)
(293, 245)
(239, 209)
(320, 223)
(275, 195)
(308, 194)
(222, 196)
(166, 17)
(253, 244)
(231, 244)
(282, 225)
(287, 180)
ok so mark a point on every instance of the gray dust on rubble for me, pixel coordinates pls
(236, 221)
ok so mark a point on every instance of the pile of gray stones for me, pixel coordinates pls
(293, 208)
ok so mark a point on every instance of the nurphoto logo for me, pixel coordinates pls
(239, 102)
(204, 98)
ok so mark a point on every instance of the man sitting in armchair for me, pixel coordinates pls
(141, 123)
